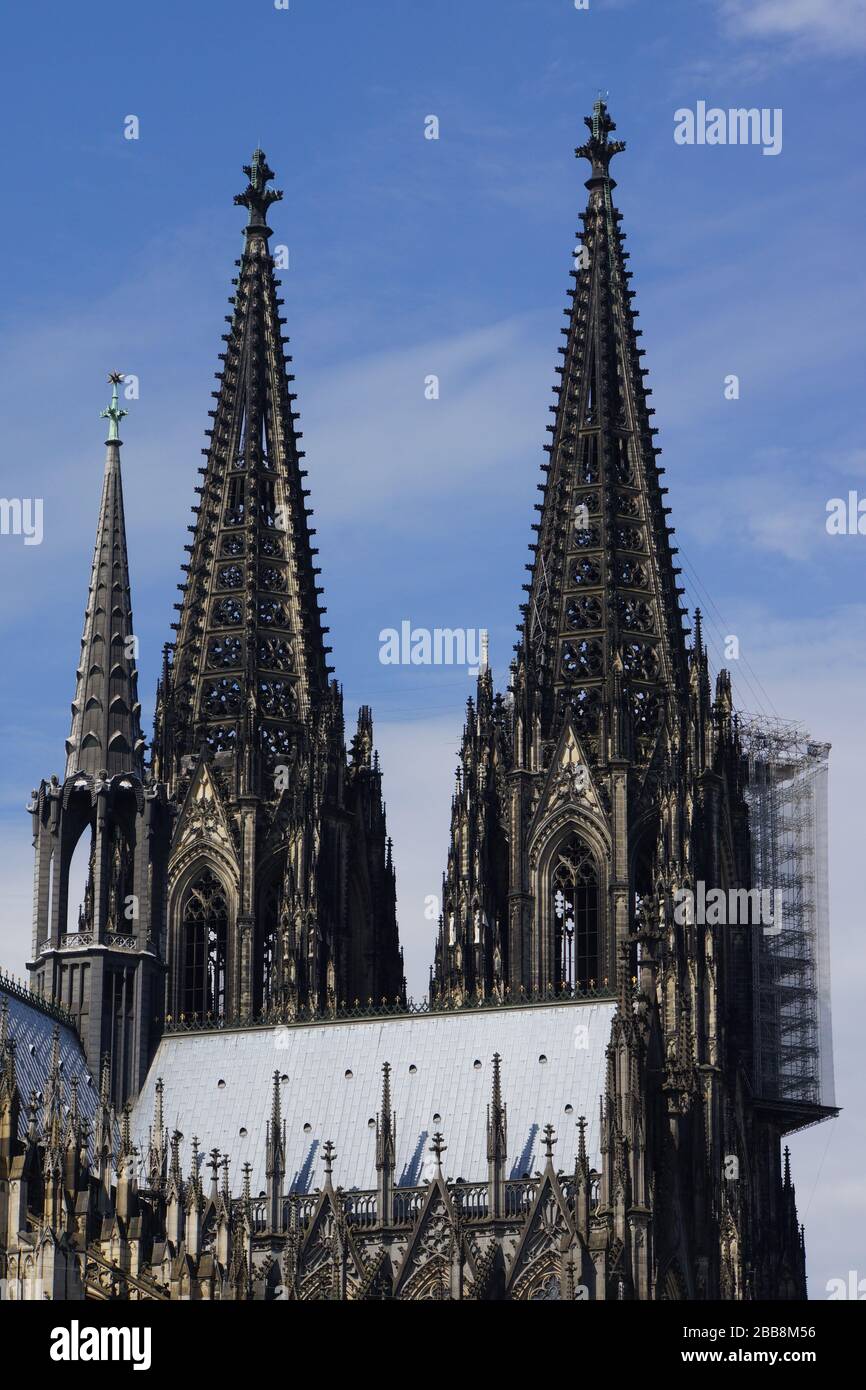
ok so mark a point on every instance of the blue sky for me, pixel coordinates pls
(410, 257)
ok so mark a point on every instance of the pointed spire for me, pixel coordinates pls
(699, 632)
(386, 1147)
(213, 1162)
(581, 1141)
(497, 1143)
(106, 727)
(602, 637)
(226, 1186)
(386, 1091)
(126, 1131)
(275, 1157)
(194, 1178)
(157, 1147)
(329, 1153)
(549, 1142)
(53, 1085)
(437, 1148)
(175, 1174)
(249, 661)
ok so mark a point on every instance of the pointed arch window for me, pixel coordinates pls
(205, 942)
(574, 892)
(270, 925)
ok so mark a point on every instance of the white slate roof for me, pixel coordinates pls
(218, 1087)
(33, 1031)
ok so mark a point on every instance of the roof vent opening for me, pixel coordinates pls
(412, 1069)
(477, 1064)
(371, 1123)
(542, 1059)
(308, 1128)
(349, 1074)
(221, 1085)
(242, 1132)
(437, 1118)
(569, 1110)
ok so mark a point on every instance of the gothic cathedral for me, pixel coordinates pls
(576, 1112)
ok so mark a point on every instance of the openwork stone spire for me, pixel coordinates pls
(106, 730)
(249, 660)
(602, 636)
(281, 838)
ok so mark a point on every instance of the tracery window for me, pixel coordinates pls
(270, 914)
(574, 890)
(205, 944)
(235, 511)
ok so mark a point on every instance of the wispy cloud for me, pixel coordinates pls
(830, 26)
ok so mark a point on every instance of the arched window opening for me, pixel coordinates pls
(79, 887)
(205, 938)
(575, 915)
(269, 916)
(644, 902)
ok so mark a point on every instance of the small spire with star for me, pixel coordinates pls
(105, 733)
(113, 412)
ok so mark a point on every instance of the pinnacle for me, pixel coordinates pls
(105, 733)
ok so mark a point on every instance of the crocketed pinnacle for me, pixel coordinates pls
(105, 734)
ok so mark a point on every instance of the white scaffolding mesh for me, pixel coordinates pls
(787, 798)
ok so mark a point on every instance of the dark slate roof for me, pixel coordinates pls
(33, 1032)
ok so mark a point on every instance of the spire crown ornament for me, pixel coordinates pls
(113, 411)
(257, 197)
(598, 149)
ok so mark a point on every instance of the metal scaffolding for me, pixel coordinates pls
(787, 798)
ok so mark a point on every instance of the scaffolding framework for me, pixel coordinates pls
(787, 799)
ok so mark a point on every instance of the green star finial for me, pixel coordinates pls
(113, 412)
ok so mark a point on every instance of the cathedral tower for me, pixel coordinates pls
(102, 961)
(281, 892)
(557, 816)
(605, 789)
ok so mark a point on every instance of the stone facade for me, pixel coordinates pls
(241, 882)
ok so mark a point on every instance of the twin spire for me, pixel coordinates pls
(602, 635)
(249, 663)
(603, 601)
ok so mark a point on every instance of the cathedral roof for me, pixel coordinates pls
(218, 1087)
(33, 1030)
